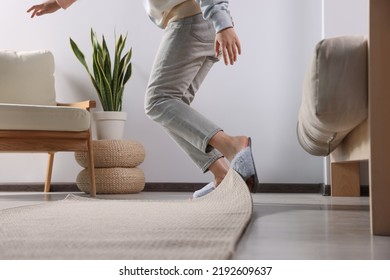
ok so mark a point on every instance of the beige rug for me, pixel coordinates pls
(85, 228)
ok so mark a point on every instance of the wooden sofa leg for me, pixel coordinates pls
(345, 178)
(49, 172)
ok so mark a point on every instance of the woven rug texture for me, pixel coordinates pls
(87, 228)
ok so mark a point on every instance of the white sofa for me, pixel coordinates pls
(31, 120)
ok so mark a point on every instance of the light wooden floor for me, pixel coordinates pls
(283, 226)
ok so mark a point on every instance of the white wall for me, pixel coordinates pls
(346, 17)
(259, 96)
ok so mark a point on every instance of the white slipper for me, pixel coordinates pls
(205, 190)
(244, 164)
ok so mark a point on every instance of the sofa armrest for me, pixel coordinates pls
(88, 104)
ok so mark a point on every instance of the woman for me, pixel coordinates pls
(197, 33)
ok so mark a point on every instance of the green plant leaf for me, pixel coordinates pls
(107, 88)
(117, 66)
(118, 104)
(106, 60)
(128, 67)
(95, 42)
(79, 54)
(128, 74)
(108, 79)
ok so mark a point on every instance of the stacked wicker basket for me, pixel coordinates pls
(116, 170)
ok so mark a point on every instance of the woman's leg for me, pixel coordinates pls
(228, 145)
(237, 149)
(201, 159)
(219, 168)
(181, 64)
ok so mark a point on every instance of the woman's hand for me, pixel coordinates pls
(227, 44)
(48, 7)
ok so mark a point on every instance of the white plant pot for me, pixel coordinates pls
(109, 124)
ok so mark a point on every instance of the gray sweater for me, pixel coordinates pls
(161, 12)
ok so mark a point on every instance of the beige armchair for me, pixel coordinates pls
(361, 74)
(30, 118)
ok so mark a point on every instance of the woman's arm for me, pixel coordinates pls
(227, 42)
(50, 6)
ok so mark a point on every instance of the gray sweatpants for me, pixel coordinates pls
(185, 56)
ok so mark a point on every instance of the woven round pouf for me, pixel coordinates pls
(114, 180)
(113, 153)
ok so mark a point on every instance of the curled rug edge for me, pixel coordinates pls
(88, 228)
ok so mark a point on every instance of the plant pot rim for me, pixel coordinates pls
(119, 115)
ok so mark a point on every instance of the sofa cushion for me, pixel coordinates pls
(335, 93)
(27, 77)
(51, 118)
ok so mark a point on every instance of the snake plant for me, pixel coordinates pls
(108, 79)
